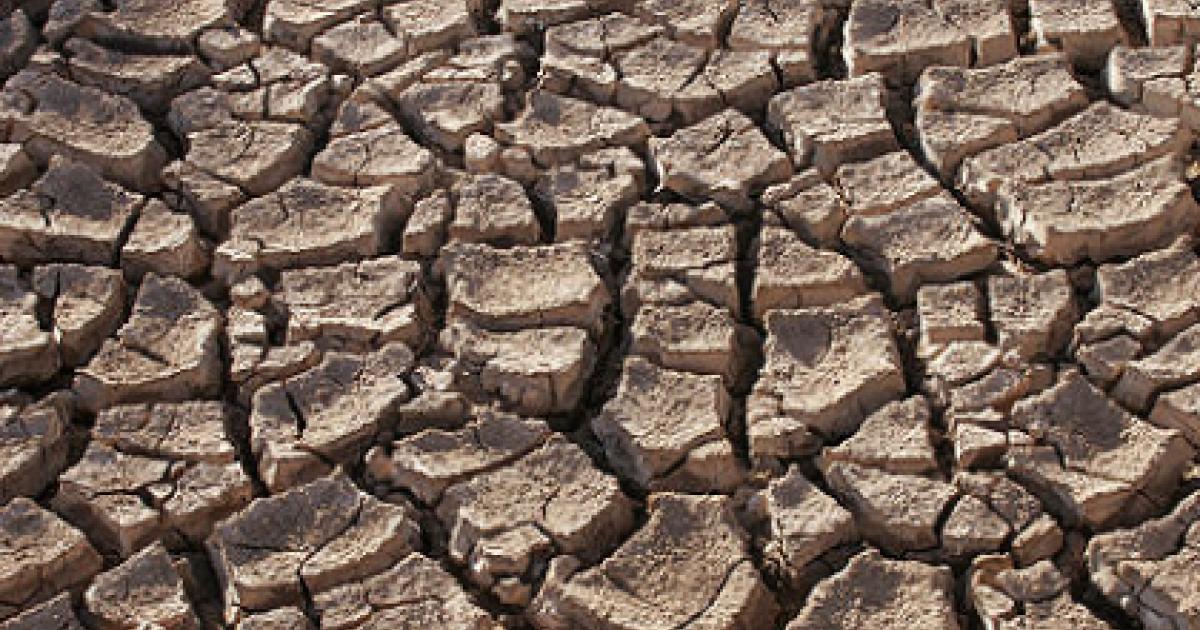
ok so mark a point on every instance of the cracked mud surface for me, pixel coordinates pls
(599, 315)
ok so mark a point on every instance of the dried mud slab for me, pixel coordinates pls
(791, 274)
(104, 131)
(329, 414)
(310, 539)
(1093, 471)
(165, 242)
(1034, 596)
(1033, 314)
(428, 462)
(536, 371)
(590, 197)
(899, 38)
(665, 428)
(1175, 364)
(804, 525)
(1065, 222)
(33, 443)
(145, 589)
(151, 81)
(550, 502)
(307, 223)
(961, 112)
(875, 591)
(1099, 142)
(56, 613)
(694, 337)
(28, 354)
(556, 129)
(1170, 22)
(687, 567)
(257, 156)
(524, 287)
(886, 475)
(493, 209)
(829, 123)
(790, 31)
(71, 214)
(356, 305)
(193, 479)
(933, 240)
(160, 25)
(1084, 30)
(826, 369)
(1146, 297)
(166, 351)
(45, 556)
(1147, 570)
(638, 65)
(415, 592)
(383, 156)
(725, 158)
(677, 266)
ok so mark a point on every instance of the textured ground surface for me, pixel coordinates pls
(599, 314)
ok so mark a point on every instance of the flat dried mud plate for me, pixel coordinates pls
(599, 314)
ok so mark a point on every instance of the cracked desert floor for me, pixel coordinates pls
(599, 314)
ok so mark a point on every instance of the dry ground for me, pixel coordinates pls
(599, 314)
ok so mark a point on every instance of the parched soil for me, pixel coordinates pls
(599, 314)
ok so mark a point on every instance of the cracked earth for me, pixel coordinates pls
(599, 315)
